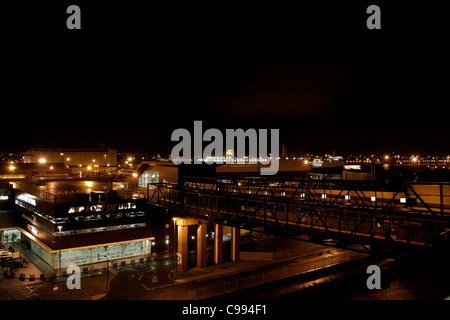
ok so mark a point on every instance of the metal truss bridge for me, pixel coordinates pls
(333, 212)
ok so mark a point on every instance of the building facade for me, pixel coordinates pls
(79, 160)
(84, 229)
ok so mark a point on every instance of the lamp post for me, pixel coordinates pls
(174, 244)
(60, 268)
(107, 274)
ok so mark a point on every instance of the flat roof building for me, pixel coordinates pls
(73, 157)
(82, 162)
(35, 171)
(85, 225)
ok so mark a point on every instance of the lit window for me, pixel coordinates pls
(373, 199)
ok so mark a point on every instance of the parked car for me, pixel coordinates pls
(5, 254)
(16, 263)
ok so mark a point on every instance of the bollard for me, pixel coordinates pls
(42, 277)
(31, 277)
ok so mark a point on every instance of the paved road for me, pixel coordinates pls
(140, 278)
(126, 281)
(149, 280)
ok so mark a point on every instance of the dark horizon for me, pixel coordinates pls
(134, 74)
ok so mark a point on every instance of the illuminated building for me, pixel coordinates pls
(79, 160)
(86, 228)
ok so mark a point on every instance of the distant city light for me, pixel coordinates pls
(42, 160)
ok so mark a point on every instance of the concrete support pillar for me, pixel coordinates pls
(235, 243)
(218, 244)
(183, 246)
(201, 245)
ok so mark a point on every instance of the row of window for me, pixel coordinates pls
(101, 229)
(94, 217)
(103, 253)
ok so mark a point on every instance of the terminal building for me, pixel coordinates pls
(84, 228)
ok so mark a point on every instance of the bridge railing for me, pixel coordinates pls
(344, 214)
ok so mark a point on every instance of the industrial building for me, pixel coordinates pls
(81, 161)
(35, 171)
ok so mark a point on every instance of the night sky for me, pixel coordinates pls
(135, 73)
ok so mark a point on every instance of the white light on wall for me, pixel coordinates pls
(347, 197)
(27, 198)
(373, 199)
(34, 230)
(302, 194)
(324, 196)
(402, 200)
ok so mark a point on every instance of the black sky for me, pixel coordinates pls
(135, 73)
